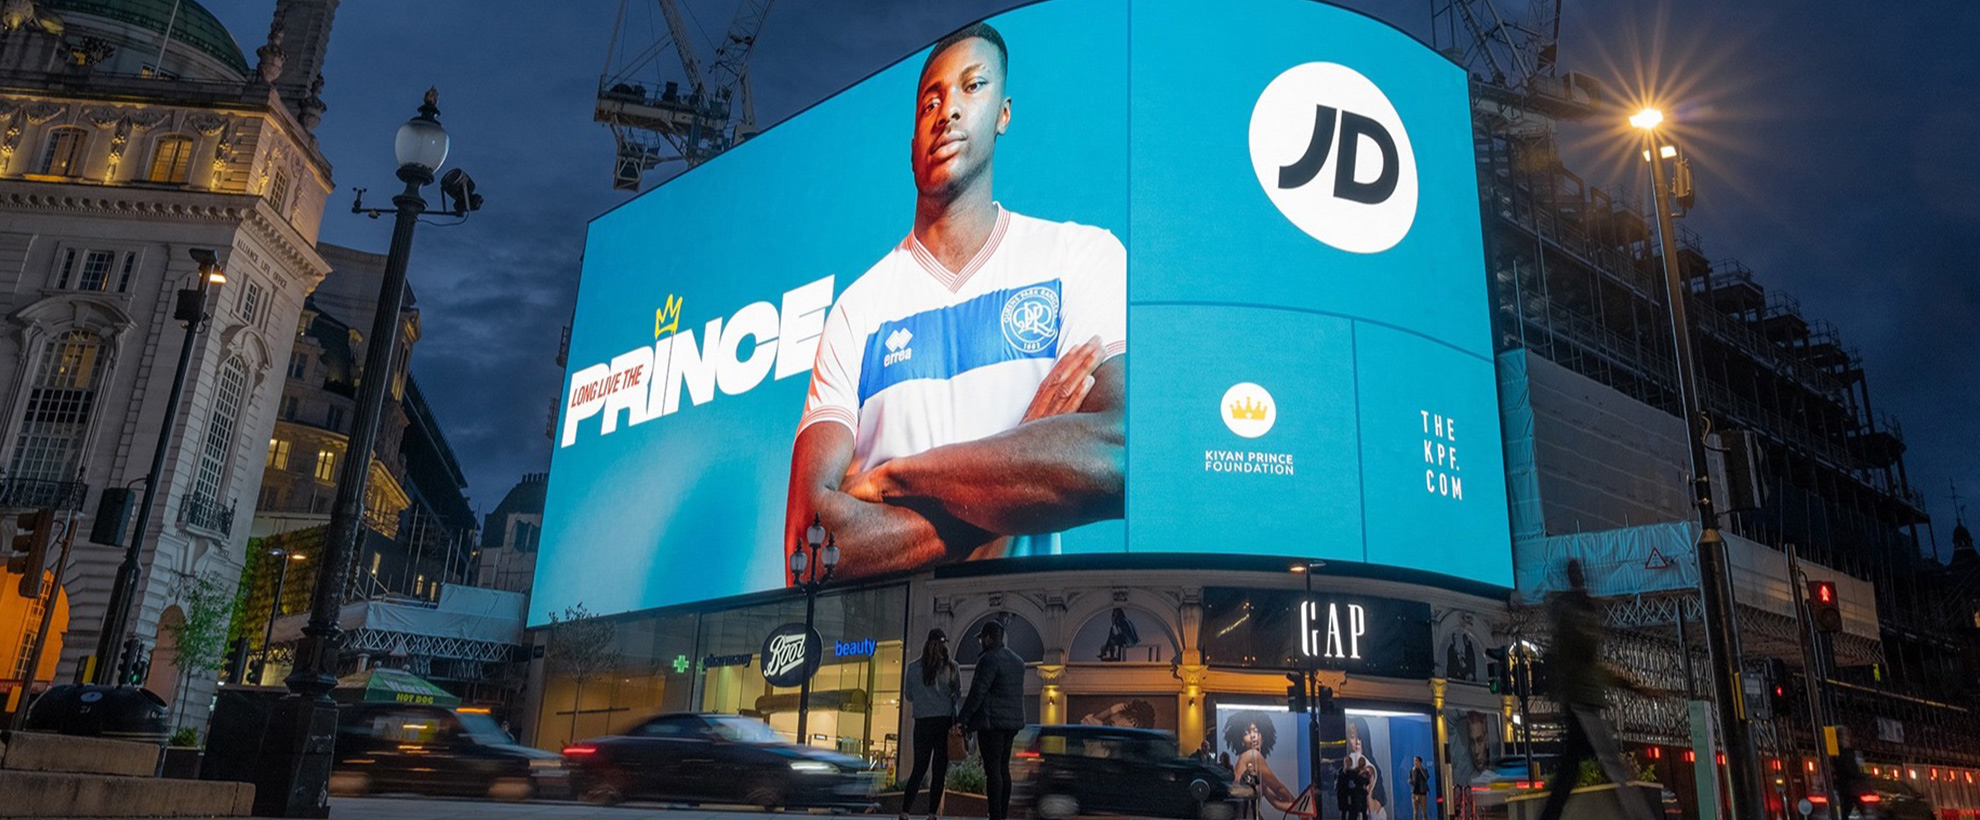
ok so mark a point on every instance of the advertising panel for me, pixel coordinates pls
(928, 354)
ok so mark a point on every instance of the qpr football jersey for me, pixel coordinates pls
(915, 356)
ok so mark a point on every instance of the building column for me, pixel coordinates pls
(1438, 688)
(1190, 729)
(1051, 700)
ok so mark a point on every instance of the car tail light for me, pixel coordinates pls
(580, 750)
(1029, 754)
(1530, 784)
(1872, 798)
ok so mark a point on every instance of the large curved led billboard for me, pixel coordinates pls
(1090, 276)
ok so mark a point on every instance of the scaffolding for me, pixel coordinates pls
(1576, 273)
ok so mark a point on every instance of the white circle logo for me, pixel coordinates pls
(1248, 410)
(1332, 155)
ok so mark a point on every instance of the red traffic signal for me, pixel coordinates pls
(1823, 607)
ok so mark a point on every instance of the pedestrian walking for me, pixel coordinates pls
(1419, 789)
(1582, 681)
(995, 711)
(1850, 783)
(934, 686)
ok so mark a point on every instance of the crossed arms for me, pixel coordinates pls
(1061, 467)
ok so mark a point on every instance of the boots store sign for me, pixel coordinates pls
(1286, 629)
(791, 654)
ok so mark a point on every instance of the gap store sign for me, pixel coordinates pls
(1096, 276)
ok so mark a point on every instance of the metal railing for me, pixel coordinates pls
(34, 492)
(198, 511)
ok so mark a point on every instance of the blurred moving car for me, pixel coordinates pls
(1063, 771)
(390, 747)
(1507, 777)
(716, 758)
(1885, 799)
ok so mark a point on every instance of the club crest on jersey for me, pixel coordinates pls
(1031, 318)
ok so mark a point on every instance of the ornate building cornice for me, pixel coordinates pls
(245, 211)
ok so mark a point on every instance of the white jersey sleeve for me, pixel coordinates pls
(1096, 291)
(835, 374)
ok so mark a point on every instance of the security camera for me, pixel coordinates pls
(456, 185)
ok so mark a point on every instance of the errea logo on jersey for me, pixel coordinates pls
(1332, 155)
(897, 347)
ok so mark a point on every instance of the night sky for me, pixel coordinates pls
(1837, 154)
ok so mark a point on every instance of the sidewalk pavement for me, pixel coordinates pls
(384, 808)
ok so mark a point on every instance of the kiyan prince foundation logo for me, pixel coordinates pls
(1248, 410)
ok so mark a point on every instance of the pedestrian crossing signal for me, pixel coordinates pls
(1823, 608)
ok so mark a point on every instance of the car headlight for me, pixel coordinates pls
(813, 767)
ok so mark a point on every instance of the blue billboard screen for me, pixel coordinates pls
(1274, 198)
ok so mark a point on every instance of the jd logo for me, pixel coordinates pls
(1332, 155)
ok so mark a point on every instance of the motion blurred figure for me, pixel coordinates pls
(1582, 681)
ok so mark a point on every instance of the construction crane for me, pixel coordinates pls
(1514, 61)
(654, 119)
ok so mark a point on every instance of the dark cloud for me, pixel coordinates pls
(1835, 153)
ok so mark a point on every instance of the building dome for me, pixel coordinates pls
(194, 26)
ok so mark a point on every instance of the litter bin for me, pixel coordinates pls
(116, 712)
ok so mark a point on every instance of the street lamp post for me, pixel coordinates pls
(274, 607)
(1312, 683)
(812, 563)
(295, 773)
(1714, 580)
(191, 310)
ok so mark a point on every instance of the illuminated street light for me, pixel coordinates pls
(1714, 575)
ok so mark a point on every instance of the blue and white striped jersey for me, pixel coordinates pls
(915, 356)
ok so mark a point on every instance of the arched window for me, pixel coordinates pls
(60, 400)
(220, 429)
(64, 156)
(171, 159)
(1019, 635)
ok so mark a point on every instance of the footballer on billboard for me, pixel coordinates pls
(928, 353)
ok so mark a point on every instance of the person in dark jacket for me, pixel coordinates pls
(1419, 790)
(934, 685)
(1351, 792)
(995, 711)
(1851, 783)
(1582, 680)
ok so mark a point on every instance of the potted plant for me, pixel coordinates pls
(182, 755)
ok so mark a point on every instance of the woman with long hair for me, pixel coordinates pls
(934, 686)
(1251, 735)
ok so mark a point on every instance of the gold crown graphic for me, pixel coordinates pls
(667, 319)
(1248, 410)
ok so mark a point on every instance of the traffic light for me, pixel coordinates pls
(1324, 700)
(134, 662)
(1780, 692)
(1823, 607)
(33, 532)
(1498, 671)
(1296, 692)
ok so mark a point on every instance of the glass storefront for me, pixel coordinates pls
(856, 693)
(710, 661)
(639, 667)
